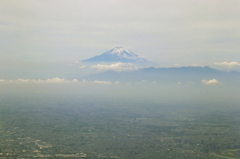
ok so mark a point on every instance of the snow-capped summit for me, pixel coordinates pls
(122, 52)
(117, 50)
(117, 54)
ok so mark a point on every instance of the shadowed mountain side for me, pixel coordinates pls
(108, 58)
(168, 75)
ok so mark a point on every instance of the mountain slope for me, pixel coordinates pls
(117, 54)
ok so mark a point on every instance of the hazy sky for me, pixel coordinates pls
(180, 32)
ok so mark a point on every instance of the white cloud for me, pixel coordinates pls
(227, 64)
(50, 80)
(193, 64)
(210, 82)
(144, 82)
(177, 65)
(115, 67)
(83, 66)
(117, 82)
(100, 82)
(74, 80)
(55, 80)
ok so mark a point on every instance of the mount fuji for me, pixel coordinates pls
(117, 54)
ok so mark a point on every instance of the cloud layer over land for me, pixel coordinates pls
(55, 81)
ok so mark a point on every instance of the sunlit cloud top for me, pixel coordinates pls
(210, 82)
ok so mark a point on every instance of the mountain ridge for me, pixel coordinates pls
(168, 75)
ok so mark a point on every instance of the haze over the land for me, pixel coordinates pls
(130, 79)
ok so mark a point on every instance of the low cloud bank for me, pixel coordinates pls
(50, 80)
(210, 82)
(227, 64)
(119, 67)
(56, 80)
(100, 82)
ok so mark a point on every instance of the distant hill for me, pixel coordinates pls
(168, 75)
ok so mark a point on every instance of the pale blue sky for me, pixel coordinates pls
(171, 32)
